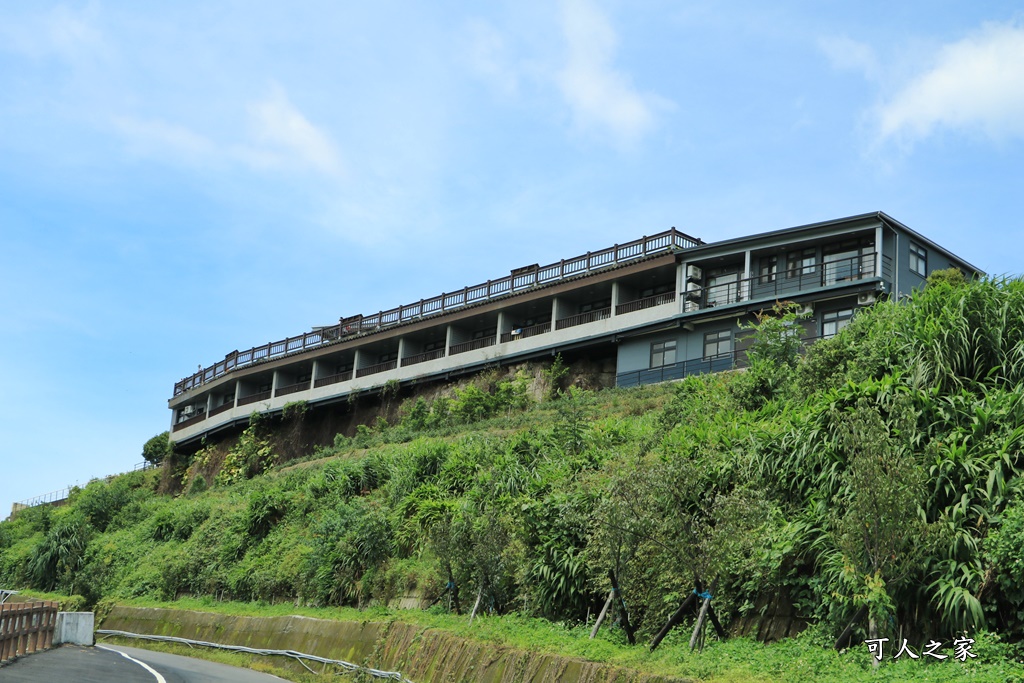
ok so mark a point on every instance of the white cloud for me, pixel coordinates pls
(487, 56)
(280, 138)
(976, 84)
(62, 32)
(600, 96)
(846, 53)
(155, 138)
(287, 137)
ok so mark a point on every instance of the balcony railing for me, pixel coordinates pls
(524, 332)
(423, 357)
(520, 280)
(646, 302)
(222, 408)
(292, 388)
(481, 343)
(253, 398)
(332, 379)
(188, 422)
(786, 283)
(584, 318)
(379, 367)
(732, 360)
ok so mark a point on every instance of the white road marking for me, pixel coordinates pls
(147, 667)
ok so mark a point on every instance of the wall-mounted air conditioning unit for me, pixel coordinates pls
(694, 273)
(693, 291)
(865, 298)
(805, 309)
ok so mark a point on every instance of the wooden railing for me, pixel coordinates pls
(222, 408)
(379, 367)
(524, 332)
(584, 318)
(481, 343)
(520, 280)
(292, 388)
(332, 379)
(423, 357)
(646, 302)
(199, 417)
(26, 627)
(253, 398)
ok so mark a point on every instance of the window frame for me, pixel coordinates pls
(718, 338)
(667, 346)
(800, 263)
(840, 318)
(918, 257)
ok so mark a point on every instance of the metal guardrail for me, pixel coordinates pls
(520, 280)
(300, 657)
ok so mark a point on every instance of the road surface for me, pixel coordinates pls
(110, 663)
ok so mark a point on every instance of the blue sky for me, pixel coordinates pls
(182, 180)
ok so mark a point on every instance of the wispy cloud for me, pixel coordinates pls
(63, 32)
(601, 97)
(846, 53)
(974, 85)
(280, 138)
(487, 57)
(160, 139)
(287, 137)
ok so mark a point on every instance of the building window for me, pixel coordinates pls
(723, 288)
(848, 261)
(663, 353)
(833, 321)
(717, 343)
(595, 306)
(769, 267)
(482, 334)
(918, 260)
(801, 263)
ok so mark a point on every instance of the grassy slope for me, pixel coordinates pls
(540, 498)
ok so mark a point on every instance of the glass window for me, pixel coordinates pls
(801, 263)
(918, 260)
(663, 353)
(717, 343)
(723, 289)
(833, 321)
(769, 267)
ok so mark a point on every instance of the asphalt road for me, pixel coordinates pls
(108, 664)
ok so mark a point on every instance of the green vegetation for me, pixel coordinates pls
(879, 473)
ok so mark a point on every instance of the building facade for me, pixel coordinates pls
(664, 306)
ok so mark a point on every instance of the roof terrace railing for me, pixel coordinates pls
(520, 280)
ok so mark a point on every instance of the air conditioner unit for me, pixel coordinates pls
(690, 306)
(694, 273)
(805, 309)
(865, 298)
(693, 291)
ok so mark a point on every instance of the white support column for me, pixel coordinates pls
(448, 333)
(274, 383)
(615, 296)
(878, 251)
(745, 276)
(681, 287)
(209, 403)
(358, 361)
(504, 325)
(401, 351)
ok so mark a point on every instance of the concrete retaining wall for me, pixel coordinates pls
(75, 628)
(423, 655)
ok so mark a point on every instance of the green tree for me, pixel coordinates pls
(157, 449)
